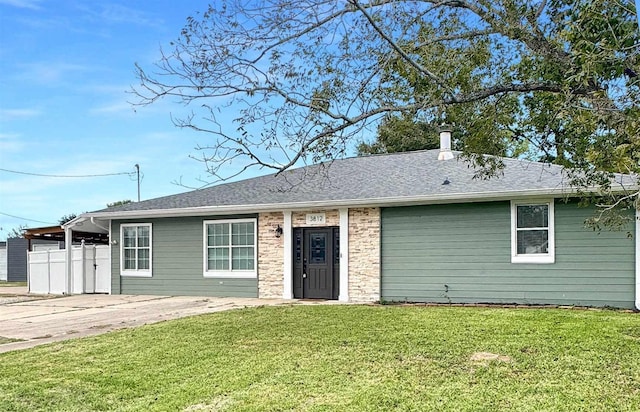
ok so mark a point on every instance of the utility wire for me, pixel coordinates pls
(24, 218)
(72, 176)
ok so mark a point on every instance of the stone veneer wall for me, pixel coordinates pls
(364, 251)
(364, 255)
(270, 255)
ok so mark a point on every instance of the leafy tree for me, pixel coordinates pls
(401, 134)
(305, 79)
(407, 133)
(66, 218)
(17, 231)
(118, 203)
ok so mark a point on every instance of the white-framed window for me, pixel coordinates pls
(135, 249)
(532, 232)
(230, 248)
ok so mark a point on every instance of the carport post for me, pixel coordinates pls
(68, 242)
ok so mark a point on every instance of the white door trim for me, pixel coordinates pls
(343, 295)
(287, 233)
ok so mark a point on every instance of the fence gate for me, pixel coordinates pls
(103, 269)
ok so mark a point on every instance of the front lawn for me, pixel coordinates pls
(349, 358)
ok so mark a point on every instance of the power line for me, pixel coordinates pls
(24, 218)
(66, 176)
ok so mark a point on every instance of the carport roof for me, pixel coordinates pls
(390, 179)
(56, 233)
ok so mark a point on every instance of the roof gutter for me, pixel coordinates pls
(375, 202)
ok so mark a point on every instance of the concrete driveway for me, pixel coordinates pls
(38, 321)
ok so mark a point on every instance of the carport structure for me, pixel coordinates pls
(80, 267)
(57, 233)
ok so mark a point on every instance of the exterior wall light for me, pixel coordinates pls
(278, 231)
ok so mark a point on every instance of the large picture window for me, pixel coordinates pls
(135, 242)
(230, 248)
(532, 233)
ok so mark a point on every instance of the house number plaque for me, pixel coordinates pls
(316, 219)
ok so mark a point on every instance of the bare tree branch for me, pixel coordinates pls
(279, 83)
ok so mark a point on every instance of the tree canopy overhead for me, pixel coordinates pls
(307, 79)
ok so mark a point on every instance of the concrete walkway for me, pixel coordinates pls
(42, 321)
(13, 290)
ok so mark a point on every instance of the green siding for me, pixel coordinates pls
(177, 262)
(468, 248)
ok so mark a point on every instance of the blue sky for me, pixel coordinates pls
(65, 67)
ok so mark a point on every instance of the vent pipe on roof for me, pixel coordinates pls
(445, 143)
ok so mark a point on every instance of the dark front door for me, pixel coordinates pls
(316, 256)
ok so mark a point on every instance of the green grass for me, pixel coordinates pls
(4, 340)
(340, 358)
(9, 284)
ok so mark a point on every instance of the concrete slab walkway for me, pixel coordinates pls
(13, 290)
(37, 322)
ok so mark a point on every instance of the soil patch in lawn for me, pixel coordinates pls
(488, 357)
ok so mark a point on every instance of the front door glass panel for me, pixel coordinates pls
(318, 246)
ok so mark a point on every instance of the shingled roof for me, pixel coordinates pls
(378, 180)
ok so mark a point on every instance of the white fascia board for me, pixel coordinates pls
(74, 221)
(85, 223)
(334, 204)
(270, 207)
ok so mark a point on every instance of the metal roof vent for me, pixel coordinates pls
(445, 143)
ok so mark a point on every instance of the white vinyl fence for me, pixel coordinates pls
(3, 262)
(90, 270)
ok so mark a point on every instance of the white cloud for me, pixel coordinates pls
(9, 143)
(118, 14)
(121, 14)
(110, 89)
(23, 4)
(51, 73)
(114, 108)
(17, 114)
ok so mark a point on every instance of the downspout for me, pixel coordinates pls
(93, 221)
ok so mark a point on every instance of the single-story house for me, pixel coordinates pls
(415, 227)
